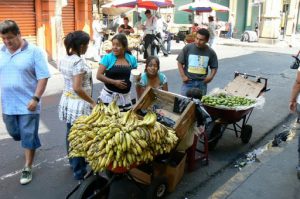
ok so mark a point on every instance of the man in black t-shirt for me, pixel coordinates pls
(125, 28)
(194, 62)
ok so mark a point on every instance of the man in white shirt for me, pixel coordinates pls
(97, 36)
(150, 29)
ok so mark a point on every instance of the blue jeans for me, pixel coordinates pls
(78, 164)
(24, 128)
(193, 84)
(168, 45)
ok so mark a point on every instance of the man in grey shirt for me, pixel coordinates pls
(194, 62)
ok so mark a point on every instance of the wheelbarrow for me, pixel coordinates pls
(222, 118)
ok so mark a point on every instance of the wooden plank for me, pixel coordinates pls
(140, 176)
(166, 100)
(244, 87)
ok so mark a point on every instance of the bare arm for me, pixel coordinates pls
(131, 30)
(294, 94)
(165, 87)
(40, 89)
(210, 77)
(77, 87)
(181, 72)
(139, 90)
(100, 76)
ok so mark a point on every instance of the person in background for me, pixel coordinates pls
(230, 27)
(97, 36)
(212, 31)
(23, 75)
(76, 99)
(168, 37)
(150, 30)
(152, 77)
(139, 25)
(194, 62)
(194, 28)
(125, 28)
(294, 106)
(114, 71)
(160, 26)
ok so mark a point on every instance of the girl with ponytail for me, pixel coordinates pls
(76, 99)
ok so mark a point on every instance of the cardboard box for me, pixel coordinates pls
(167, 100)
(173, 169)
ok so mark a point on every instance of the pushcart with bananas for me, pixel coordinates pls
(134, 150)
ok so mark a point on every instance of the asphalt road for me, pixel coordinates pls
(53, 176)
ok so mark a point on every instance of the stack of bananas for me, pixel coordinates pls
(109, 139)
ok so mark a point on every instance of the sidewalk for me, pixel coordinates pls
(273, 177)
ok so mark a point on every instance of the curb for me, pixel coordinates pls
(195, 189)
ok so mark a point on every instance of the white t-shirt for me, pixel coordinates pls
(97, 29)
(151, 25)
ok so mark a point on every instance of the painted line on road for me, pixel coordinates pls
(14, 173)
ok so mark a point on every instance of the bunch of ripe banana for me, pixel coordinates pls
(109, 138)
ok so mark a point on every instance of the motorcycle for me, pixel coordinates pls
(155, 46)
(296, 63)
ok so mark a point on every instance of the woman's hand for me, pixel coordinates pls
(121, 84)
(93, 104)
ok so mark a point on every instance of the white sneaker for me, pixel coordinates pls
(26, 176)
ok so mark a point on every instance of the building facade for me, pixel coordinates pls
(46, 22)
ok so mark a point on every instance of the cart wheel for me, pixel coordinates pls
(90, 186)
(214, 136)
(246, 133)
(158, 188)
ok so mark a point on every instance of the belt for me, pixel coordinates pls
(71, 95)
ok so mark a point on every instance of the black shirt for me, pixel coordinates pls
(126, 28)
(119, 72)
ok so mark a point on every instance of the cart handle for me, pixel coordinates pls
(258, 79)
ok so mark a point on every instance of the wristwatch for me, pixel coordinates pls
(35, 98)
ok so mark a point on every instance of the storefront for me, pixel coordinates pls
(39, 20)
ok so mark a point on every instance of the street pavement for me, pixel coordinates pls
(272, 176)
(52, 174)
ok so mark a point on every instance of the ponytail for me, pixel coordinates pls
(74, 40)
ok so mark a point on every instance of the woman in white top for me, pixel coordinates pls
(76, 99)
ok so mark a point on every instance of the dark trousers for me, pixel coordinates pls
(148, 39)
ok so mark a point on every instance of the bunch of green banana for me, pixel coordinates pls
(110, 139)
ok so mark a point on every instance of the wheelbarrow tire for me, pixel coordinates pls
(158, 188)
(214, 137)
(91, 185)
(246, 133)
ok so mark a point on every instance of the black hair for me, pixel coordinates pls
(195, 93)
(204, 32)
(74, 40)
(150, 58)
(211, 18)
(195, 24)
(123, 40)
(9, 26)
(147, 12)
